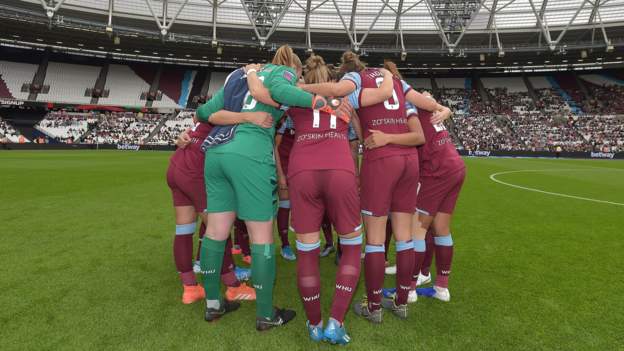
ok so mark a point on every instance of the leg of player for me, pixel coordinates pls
(183, 253)
(420, 246)
(373, 269)
(329, 237)
(283, 214)
(402, 228)
(211, 261)
(390, 270)
(347, 277)
(263, 275)
(309, 281)
(242, 239)
(202, 231)
(444, 255)
(231, 277)
(424, 276)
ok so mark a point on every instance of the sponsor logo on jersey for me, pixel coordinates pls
(443, 272)
(311, 298)
(444, 141)
(602, 155)
(377, 292)
(211, 271)
(387, 121)
(405, 287)
(318, 136)
(258, 286)
(344, 288)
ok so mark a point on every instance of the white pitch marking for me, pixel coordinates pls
(493, 178)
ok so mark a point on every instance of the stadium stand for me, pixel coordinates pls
(65, 126)
(216, 81)
(68, 82)
(123, 128)
(8, 134)
(172, 128)
(125, 87)
(14, 75)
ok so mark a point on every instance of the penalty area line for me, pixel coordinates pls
(494, 175)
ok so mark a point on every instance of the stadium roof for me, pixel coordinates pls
(451, 27)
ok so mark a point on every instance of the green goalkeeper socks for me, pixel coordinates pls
(211, 259)
(263, 275)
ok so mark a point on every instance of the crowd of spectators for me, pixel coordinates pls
(172, 128)
(8, 134)
(486, 119)
(66, 126)
(604, 100)
(123, 128)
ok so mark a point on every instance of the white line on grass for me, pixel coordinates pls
(493, 178)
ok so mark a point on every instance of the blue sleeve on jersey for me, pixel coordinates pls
(288, 124)
(354, 97)
(352, 133)
(406, 87)
(410, 109)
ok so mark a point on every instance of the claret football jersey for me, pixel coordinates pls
(388, 117)
(321, 142)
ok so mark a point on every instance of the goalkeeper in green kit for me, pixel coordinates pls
(241, 182)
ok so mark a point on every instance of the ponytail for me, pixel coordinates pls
(350, 62)
(285, 56)
(392, 67)
(316, 71)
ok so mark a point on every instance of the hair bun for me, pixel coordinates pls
(349, 56)
(315, 61)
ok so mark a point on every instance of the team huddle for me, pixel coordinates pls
(229, 169)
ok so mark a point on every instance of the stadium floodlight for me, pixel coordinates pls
(109, 29)
(501, 53)
(610, 47)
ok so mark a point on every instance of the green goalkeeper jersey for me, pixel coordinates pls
(251, 140)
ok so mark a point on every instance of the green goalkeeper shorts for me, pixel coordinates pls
(242, 185)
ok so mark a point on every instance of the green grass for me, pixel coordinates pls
(87, 263)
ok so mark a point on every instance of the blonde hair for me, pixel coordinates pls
(350, 62)
(285, 56)
(392, 67)
(316, 71)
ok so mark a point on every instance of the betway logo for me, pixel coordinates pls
(403, 287)
(443, 272)
(258, 286)
(311, 298)
(377, 292)
(602, 155)
(212, 271)
(344, 288)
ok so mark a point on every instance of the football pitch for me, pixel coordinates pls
(86, 257)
